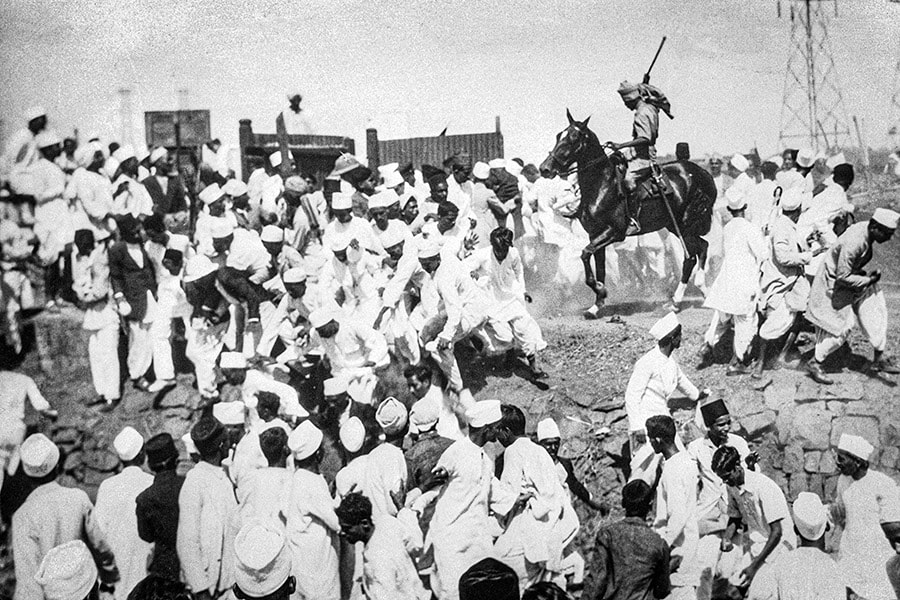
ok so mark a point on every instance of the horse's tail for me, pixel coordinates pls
(701, 195)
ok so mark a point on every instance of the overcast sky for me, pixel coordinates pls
(413, 68)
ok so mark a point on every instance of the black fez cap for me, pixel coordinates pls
(713, 410)
(173, 254)
(84, 237)
(160, 448)
(489, 578)
(206, 433)
(154, 222)
(682, 151)
(406, 169)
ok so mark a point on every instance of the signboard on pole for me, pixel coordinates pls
(160, 127)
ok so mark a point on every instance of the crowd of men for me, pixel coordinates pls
(286, 283)
(785, 245)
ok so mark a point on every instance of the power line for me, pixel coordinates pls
(813, 112)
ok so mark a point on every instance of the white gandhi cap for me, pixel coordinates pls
(886, 217)
(305, 440)
(855, 445)
(128, 443)
(665, 326)
(484, 413)
(39, 455)
(67, 572)
(810, 516)
(262, 558)
(547, 429)
(353, 434)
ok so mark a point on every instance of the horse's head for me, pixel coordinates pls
(569, 144)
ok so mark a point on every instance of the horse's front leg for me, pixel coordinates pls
(596, 249)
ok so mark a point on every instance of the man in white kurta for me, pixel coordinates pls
(784, 288)
(312, 526)
(15, 389)
(90, 190)
(353, 350)
(655, 379)
(261, 490)
(865, 501)
(712, 497)
(129, 194)
(52, 515)
(460, 528)
(386, 476)
(448, 294)
(115, 512)
(676, 505)
(388, 572)
(503, 277)
(248, 453)
(208, 516)
(734, 293)
(532, 542)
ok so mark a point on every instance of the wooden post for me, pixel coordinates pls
(245, 139)
(281, 135)
(372, 152)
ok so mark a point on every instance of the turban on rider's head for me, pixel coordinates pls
(629, 91)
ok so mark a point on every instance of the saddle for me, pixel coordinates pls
(649, 184)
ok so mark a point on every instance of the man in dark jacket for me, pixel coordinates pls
(163, 186)
(157, 506)
(134, 292)
(630, 560)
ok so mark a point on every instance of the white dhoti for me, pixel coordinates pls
(779, 318)
(871, 314)
(103, 355)
(446, 357)
(744, 330)
(521, 331)
(204, 344)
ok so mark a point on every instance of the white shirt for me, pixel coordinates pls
(676, 512)
(135, 199)
(864, 549)
(460, 528)
(388, 571)
(761, 202)
(385, 477)
(759, 502)
(261, 492)
(116, 515)
(452, 286)
(356, 229)
(809, 574)
(653, 381)
(351, 478)
(712, 500)
(247, 254)
(256, 381)
(207, 526)
(354, 345)
(505, 281)
(735, 289)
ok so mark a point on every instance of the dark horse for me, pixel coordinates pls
(602, 208)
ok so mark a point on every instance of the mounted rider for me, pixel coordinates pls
(646, 101)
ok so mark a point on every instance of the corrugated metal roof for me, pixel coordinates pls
(433, 150)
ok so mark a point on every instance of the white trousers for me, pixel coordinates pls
(779, 319)
(744, 330)
(204, 344)
(447, 358)
(103, 355)
(140, 348)
(520, 332)
(871, 314)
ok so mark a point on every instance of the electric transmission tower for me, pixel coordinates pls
(813, 113)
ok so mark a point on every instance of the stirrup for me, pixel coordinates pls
(634, 227)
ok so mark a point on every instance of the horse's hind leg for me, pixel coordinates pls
(696, 247)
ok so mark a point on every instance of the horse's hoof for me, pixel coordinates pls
(592, 313)
(672, 306)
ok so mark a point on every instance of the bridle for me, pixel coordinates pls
(565, 171)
